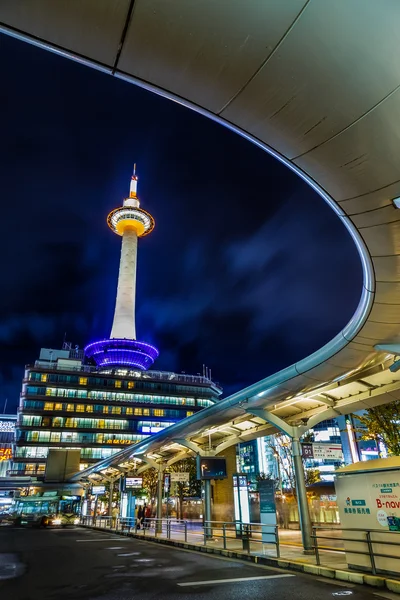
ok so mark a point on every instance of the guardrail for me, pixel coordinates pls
(364, 537)
(209, 533)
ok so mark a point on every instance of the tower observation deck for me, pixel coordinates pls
(123, 349)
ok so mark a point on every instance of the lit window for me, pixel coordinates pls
(48, 391)
(129, 410)
(139, 411)
(58, 406)
(146, 411)
(131, 384)
(82, 380)
(89, 408)
(189, 413)
(70, 407)
(118, 383)
(105, 409)
(43, 377)
(116, 410)
(80, 408)
(48, 406)
(159, 412)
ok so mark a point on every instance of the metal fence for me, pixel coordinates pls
(367, 542)
(250, 537)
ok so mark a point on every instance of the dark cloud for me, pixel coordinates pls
(246, 271)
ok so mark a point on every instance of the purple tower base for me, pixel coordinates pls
(125, 353)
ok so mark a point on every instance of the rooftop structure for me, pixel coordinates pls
(123, 349)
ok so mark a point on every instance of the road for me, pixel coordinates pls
(82, 564)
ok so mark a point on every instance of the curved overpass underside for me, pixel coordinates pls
(318, 85)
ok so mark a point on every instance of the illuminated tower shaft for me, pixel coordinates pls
(124, 315)
(122, 349)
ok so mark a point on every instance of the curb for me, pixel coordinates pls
(375, 581)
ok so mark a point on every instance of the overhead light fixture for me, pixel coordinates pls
(396, 202)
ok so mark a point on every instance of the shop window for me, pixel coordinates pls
(102, 424)
(57, 422)
(43, 377)
(105, 409)
(82, 380)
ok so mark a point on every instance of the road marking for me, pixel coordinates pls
(130, 554)
(102, 540)
(236, 580)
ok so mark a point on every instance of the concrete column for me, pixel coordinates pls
(124, 315)
(160, 484)
(304, 513)
(223, 507)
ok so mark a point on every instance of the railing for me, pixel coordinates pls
(250, 536)
(166, 376)
(368, 538)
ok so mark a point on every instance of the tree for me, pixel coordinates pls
(189, 488)
(282, 449)
(150, 482)
(382, 425)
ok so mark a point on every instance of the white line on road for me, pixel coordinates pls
(239, 579)
(103, 540)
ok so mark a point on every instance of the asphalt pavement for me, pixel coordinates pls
(83, 564)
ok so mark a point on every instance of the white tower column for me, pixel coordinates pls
(124, 315)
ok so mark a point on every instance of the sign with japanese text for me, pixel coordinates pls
(180, 477)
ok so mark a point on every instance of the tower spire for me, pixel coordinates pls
(130, 222)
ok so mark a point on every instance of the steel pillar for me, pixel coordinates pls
(207, 506)
(159, 499)
(111, 482)
(302, 502)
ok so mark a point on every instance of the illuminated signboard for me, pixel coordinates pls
(98, 490)
(5, 454)
(211, 467)
(7, 426)
(133, 482)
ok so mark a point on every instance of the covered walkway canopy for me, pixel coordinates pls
(317, 84)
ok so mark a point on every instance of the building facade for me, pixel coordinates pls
(7, 439)
(67, 404)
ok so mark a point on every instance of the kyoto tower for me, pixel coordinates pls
(123, 349)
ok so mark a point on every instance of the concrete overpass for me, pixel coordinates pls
(316, 84)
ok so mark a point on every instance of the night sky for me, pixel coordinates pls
(247, 269)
